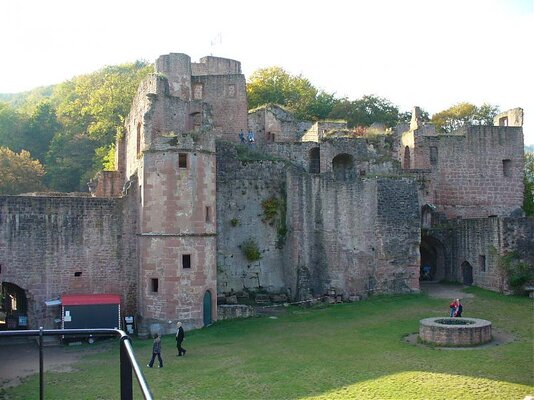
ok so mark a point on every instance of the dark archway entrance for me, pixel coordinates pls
(207, 308)
(432, 259)
(467, 273)
(343, 167)
(13, 307)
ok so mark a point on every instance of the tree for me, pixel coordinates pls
(528, 200)
(41, 128)
(20, 174)
(12, 124)
(69, 162)
(273, 85)
(366, 111)
(463, 114)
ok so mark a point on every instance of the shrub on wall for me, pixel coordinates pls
(517, 274)
(251, 250)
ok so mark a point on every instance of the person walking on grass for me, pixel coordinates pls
(156, 351)
(180, 336)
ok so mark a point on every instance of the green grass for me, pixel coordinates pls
(345, 351)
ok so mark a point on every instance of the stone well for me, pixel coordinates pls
(445, 331)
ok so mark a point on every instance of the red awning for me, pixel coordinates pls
(84, 299)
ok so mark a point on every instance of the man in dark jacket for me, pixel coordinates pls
(180, 336)
(156, 351)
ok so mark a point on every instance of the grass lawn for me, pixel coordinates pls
(344, 351)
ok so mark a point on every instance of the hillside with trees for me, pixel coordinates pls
(70, 128)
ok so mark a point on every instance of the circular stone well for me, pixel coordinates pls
(455, 332)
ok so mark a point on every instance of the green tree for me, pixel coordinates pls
(41, 128)
(20, 173)
(94, 106)
(463, 114)
(69, 162)
(273, 85)
(366, 111)
(528, 200)
(12, 125)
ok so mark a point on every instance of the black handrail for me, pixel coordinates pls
(127, 357)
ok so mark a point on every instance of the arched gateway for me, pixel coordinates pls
(432, 255)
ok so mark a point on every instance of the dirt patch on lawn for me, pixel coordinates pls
(19, 361)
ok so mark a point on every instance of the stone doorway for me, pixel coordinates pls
(432, 259)
(467, 273)
(13, 307)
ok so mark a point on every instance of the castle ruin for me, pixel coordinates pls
(325, 210)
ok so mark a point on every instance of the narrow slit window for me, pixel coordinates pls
(482, 262)
(186, 261)
(208, 214)
(154, 285)
(182, 160)
(507, 168)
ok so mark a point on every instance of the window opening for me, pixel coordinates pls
(182, 160)
(186, 260)
(154, 285)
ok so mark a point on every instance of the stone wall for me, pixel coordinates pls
(242, 187)
(227, 96)
(481, 242)
(477, 172)
(51, 246)
(357, 237)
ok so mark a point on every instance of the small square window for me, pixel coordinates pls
(482, 262)
(186, 260)
(154, 285)
(182, 160)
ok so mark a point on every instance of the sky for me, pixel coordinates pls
(429, 53)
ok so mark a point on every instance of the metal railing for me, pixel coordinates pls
(127, 357)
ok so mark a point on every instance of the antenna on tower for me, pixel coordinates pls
(216, 41)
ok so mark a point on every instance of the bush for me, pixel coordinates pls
(251, 250)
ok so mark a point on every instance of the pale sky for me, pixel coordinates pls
(430, 53)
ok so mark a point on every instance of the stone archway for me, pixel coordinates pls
(433, 255)
(343, 167)
(13, 307)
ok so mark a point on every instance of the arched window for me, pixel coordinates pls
(343, 167)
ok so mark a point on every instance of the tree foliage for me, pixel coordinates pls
(20, 173)
(273, 85)
(366, 111)
(463, 114)
(71, 127)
